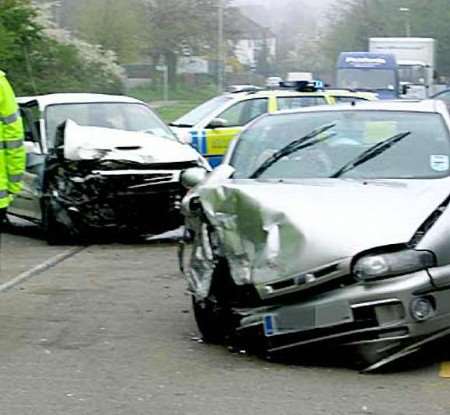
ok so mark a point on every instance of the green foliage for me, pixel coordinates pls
(113, 24)
(37, 63)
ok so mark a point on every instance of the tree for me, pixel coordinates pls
(173, 23)
(353, 22)
(39, 58)
(113, 24)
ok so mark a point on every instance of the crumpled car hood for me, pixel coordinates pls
(276, 230)
(90, 143)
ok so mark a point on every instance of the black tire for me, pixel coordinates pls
(55, 232)
(212, 320)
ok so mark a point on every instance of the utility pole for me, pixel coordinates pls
(406, 10)
(220, 48)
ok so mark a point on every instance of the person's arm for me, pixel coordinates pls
(13, 135)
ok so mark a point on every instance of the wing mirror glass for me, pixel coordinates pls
(192, 177)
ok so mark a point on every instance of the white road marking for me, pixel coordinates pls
(44, 266)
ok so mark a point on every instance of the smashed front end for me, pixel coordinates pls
(321, 264)
(118, 183)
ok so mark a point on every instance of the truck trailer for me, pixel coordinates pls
(415, 59)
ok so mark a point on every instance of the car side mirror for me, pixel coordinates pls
(192, 177)
(217, 123)
(405, 89)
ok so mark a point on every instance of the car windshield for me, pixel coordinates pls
(423, 153)
(120, 116)
(199, 113)
(372, 79)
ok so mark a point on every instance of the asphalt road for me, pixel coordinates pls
(109, 331)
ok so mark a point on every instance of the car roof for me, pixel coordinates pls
(75, 98)
(275, 93)
(265, 93)
(428, 105)
(348, 93)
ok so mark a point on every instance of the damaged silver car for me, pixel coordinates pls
(100, 163)
(327, 227)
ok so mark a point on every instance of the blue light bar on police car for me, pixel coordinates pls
(302, 86)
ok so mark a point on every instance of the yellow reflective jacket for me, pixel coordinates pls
(12, 150)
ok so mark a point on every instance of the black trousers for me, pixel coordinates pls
(2, 220)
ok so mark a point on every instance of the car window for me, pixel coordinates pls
(445, 96)
(243, 112)
(199, 113)
(288, 103)
(119, 116)
(424, 153)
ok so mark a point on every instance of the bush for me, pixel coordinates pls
(41, 58)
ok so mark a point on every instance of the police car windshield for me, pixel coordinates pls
(117, 115)
(424, 153)
(199, 113)
(371, 79)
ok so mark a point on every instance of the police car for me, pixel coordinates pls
(211, 126)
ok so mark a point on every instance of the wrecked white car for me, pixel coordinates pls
(99, 162)
(329, 227)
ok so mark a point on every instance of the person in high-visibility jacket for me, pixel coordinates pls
(12, 150)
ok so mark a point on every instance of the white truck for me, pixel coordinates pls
(415, 59)
(299, 76)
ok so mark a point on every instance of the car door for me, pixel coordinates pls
(27, 202)
(234, 118)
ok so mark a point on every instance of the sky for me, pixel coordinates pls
(317, 6)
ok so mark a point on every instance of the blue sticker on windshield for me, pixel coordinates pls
(439, 162)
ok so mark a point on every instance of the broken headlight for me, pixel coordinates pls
(372, 267)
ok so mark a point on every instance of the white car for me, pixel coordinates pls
(99, 162)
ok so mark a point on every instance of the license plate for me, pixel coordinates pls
(269, 325)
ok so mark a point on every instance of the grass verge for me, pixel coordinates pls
(181, 100)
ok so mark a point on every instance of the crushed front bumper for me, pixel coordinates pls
(135, 202)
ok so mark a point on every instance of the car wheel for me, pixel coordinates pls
(213, 314)
(212, 320)
(55, 232)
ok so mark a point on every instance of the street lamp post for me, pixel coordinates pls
(406, 10)
(220, 49)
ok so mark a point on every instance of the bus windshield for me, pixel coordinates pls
(363, 78)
